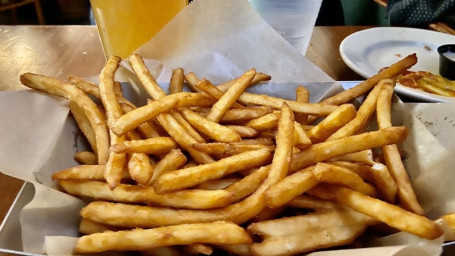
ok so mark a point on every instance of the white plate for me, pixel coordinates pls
(367, 51)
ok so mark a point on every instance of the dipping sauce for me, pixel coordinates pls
(449, 55)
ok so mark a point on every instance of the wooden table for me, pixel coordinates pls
(62, 50)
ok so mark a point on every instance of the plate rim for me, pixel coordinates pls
(401, 89)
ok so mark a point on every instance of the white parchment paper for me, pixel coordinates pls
(219, 40)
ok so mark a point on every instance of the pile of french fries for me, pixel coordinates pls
(219, 168)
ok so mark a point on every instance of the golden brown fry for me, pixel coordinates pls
(290, 187)
(213, 130)
(248, 184)
(391, 215)
(244, 131)
(245, 114)
(258, 77)
(384, 182)
(266, 122)
(364, 157)
(449, 226)
(157, 146)
(363, 170)
(146, 78)
(230, 96)
(176, 84)
(228, 149)
(81, 172)
(333, 174)
(284, 144)
(190, 199)
(139, 239)
(218, 183)
(302, 95)
(116, 161)
(140, 168)
(237, 249)
(363, 87)
(132, 119)
(363, 116)
(207, 87)
(58, 88)
(295, 225)
(330, 149)
(84, 124)
(301, 139)
(180, 135)
(192, 176)
(392, 157)
(191, 80)
(85, 86)
(338, 118)
(86, 157)
(170, 162)
(320, 109)
(313, 203)
(197, 249)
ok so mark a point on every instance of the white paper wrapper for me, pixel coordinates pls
(218, 40)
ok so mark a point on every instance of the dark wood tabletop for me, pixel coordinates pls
(62, 50)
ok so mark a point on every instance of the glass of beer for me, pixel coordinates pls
(125, 25)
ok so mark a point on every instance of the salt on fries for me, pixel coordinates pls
(195, 172)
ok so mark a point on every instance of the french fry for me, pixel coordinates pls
(230, 96)
(258, 77)
(207, 87)
(88, 227)
(86, 157)
(363, 87)
(170, 162)
(332, 123)
(391, 215)
(192, 80)
(449, 226)
(384, 182)
(157, 146)
(364, 157)
(213, 130)
(186, 125)
(139, 239)
(184, 178)
(309, 202)
(125, 215)
(140, 168)
(228, 149)
(162, 251)
(362, 117)
(302, 95)
(290, 187)
(362, 170)
(58, 88)
(319, 109)
(84, 124)
(190, 199)
(116, 161)
(248, 184)
(284, 144)
(333, 174)
(330, 149)
(245, 114)
(265, 123)
(392, 157)
(301, 139)
(244, 131)
(286, 236)
(179, 134)
(312, 221)
(176, 84)
(85, 86)
(237, 249)
(197, 249)
(81, 172)
(133, 119)
(218, 184)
